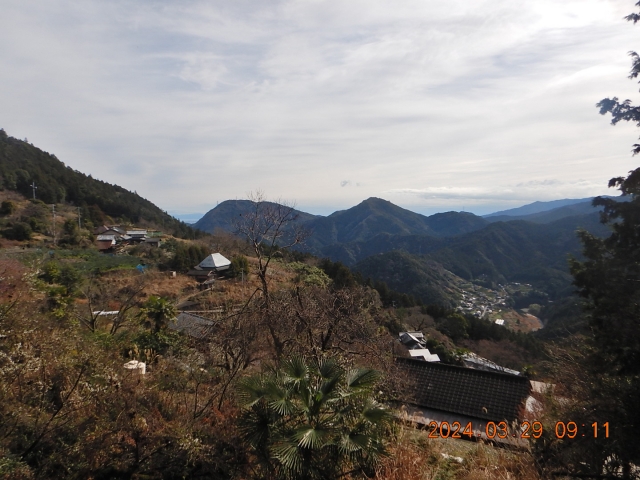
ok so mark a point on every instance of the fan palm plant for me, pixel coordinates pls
(313, 421)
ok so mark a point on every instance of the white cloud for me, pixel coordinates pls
(481, 101)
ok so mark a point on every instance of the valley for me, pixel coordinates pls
(123, 283)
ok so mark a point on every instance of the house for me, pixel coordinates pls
(417, 346)
(105, 242)
(215, 262)
(104, 230)
(137, 235)
(471, 360)
(153, 241)
(438, 396)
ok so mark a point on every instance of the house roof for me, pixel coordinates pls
(106, 238)
(464, 391)
(424, 354)
(472, 360)
(192, 325)
(215, 261)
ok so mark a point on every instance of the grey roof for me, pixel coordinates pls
(472, 360)
(464, 391)
(106, 238)
(193, 325)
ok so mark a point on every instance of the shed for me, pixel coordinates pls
(105, 242)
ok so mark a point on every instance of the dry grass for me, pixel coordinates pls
(415, 457)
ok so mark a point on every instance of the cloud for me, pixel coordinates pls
(544, 189)
(480, 101)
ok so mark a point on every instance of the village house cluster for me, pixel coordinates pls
(481, 302)
(109, 239)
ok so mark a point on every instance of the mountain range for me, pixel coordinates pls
(414, 253)
(411, 252)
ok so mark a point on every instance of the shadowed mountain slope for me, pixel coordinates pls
(374, 217)
(22, 164)
(363, 222)
(418, 276)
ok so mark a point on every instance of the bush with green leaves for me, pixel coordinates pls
(19, 231)
(7, 207)
(309, 275)
(308, 420)
(239, 266)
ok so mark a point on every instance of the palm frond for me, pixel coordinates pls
(362, 378)
(329, 368)
(312, 437)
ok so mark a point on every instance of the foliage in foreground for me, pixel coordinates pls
(313, 420)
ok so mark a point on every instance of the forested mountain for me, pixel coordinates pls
(223, 216)
(361, 223)
(22, 164)
(418, 276)
(375, 216)
(471, 247)
(520, 251)
(502, 252)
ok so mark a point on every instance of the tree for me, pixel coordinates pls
(609, 280)
(269, 228)
(239, 266)
(158, 312)
(7, 207)
(313, 421)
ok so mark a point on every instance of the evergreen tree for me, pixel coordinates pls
(313, 421)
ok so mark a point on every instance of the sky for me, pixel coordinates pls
(434, 105)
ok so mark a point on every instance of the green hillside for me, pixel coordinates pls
(22, 164)
(420, 277)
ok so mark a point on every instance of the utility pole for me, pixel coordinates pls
(79, 219)
(53, 208)
(33, 187)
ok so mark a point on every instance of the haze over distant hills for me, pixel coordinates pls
(537, 207)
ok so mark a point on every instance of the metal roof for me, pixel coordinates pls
(464, 391)
(192, 325)
(215, 261)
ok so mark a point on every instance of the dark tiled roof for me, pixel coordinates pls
(474, 393)
(192, 325)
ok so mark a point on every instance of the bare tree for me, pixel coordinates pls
(269, 227)
(101, 293)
